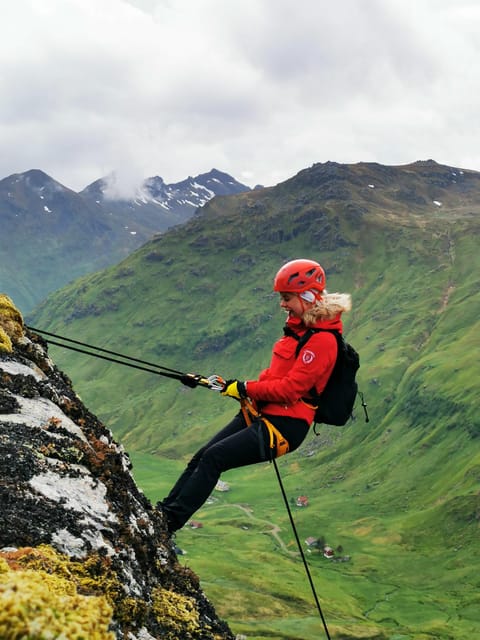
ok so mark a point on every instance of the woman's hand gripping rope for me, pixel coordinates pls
(237, 390)
(230, 388)
(234, 389)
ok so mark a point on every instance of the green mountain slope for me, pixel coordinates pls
(401, 492)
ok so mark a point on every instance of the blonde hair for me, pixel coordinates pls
(328, 307)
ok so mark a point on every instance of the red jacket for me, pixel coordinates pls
(280, 388)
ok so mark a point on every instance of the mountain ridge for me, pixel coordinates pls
(52, 235)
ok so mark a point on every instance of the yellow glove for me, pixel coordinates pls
(234, 389)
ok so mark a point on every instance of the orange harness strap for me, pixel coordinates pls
(277, 441)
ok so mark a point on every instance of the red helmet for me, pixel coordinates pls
(301, 275)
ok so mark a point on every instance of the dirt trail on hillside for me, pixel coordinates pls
(274, 529)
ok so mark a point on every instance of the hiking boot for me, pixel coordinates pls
(169, 526)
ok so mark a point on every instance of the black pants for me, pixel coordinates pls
(236, 445)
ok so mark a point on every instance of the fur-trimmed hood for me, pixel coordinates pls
(329, 307)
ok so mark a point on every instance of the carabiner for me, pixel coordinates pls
(216, 383)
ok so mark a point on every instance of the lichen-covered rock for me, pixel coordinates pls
(35, 603)
(5, 342)
(11, 321)
(71, 511)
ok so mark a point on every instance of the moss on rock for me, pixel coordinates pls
(5, 342)
(45, 594)
(38, 605)
(176, 614)
(92, 576)
(11, 321)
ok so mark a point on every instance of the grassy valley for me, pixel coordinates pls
(401, 494)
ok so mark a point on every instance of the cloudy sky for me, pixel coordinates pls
(257, 88)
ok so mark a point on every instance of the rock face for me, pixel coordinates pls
(82, 551)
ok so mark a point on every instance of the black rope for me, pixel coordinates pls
(189, 379)
(364, 405)
(305, 564)
(100, 349)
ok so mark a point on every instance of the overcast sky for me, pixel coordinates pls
(259, 89)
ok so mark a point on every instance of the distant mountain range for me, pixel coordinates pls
(51, 235)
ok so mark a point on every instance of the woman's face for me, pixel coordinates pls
(293, 304)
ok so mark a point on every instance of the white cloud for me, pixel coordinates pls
(259, 88)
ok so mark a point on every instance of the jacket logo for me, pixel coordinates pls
(308, 356)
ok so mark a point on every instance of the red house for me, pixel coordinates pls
(302, 501)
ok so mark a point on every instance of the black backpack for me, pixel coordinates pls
(335, 403)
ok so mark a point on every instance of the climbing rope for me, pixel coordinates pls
(249, 413)
(189, 379)
(305, 563)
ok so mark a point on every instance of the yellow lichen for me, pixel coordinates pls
(91, 576)
(5, 342)
(131, 609)
(11, 320)
(38, 605)
(176, 613)
(94, 580)
(46, 595)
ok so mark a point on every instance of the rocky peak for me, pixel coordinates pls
(82, 551)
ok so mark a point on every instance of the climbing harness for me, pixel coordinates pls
(277, 442)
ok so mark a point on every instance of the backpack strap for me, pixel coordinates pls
(313, 398)
(302, 340)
